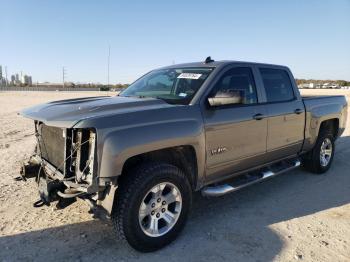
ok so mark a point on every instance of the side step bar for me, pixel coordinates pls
(219, 190)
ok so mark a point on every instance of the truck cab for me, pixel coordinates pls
(266, 125)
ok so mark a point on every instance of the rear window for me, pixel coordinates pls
(278, 86)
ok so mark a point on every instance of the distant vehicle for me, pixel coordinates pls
(334, 86)
(308, 85)
(331, 86)
(213, 127)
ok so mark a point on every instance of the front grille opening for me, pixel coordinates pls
(71, 151)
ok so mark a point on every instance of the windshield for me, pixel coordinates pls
(173, 85)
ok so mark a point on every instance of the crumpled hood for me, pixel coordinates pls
(66, 113)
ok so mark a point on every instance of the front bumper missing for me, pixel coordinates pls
(52, 185)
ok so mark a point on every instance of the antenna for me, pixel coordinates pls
(109, 54)
(208, 60)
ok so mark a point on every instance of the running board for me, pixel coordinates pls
(219, 190)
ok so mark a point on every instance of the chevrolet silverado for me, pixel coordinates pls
(212, 126)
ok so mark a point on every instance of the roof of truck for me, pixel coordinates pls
(219, 63)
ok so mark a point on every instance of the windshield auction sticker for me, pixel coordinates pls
(189, 76)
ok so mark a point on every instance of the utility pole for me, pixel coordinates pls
(63, 76)
(109, 55)
(6, 79)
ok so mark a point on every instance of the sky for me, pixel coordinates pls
(39, 37)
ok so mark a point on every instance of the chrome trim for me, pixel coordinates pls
(215, 191)
(267, 174)
(218, 190)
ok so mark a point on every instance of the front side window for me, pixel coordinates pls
(173, 85)
(277, 84)
(238, 80)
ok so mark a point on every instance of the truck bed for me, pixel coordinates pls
(319, 109)
(308, 97)
(330, 104)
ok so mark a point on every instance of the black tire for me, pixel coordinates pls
(132, 189)
(311, 161)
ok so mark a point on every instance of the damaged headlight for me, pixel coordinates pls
(82, 151)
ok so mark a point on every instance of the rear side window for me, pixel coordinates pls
(278, 86)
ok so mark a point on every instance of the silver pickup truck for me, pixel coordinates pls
(213, 127)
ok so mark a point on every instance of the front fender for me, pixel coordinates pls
(120, 145)
(123, 136)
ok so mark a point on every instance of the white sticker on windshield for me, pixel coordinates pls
(189, 76)
(183, 94)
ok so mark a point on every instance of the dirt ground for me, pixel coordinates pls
(295, 216)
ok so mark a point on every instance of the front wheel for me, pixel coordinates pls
(152, 206)
(320, 158)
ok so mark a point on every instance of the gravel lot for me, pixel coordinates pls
(295, 216)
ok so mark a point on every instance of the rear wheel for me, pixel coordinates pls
(320, 158)
(152, 206)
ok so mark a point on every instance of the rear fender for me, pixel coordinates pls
(319, 114)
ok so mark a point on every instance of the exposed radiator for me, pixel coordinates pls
(52, 145)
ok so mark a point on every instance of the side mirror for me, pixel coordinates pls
(226, 98)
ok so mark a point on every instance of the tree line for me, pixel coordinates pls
(321, 82)
(101, 86)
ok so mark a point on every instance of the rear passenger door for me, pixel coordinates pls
(285, 113)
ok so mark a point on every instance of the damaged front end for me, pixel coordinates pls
(64, 165)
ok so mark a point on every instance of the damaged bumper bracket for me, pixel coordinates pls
(52, 185)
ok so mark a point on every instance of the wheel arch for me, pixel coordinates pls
(331, 125)
(316, 126)
(184, 157)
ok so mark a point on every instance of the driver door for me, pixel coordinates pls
(235, 134)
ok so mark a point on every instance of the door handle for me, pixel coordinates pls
(258, 116)
(298, 111)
